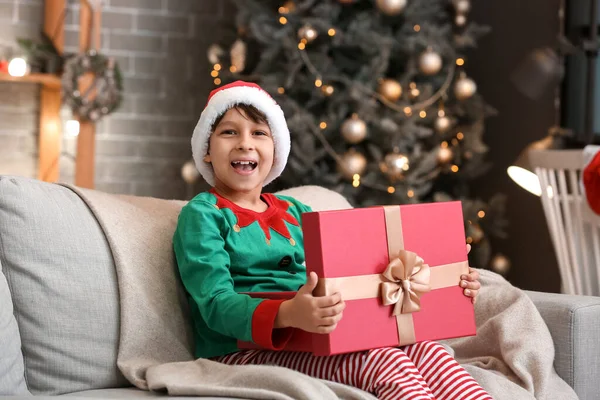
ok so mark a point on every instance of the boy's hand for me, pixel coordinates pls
(309, 313)
(470, 283)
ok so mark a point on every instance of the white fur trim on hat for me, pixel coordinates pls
(224, 99)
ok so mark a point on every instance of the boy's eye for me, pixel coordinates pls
(228, 132)
(260, 133)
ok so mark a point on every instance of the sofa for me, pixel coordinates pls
(59, 304)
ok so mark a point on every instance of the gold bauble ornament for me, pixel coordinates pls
(500, 264)
(354, 130)
(442, 124)
(352, 163)
(390, 89)
(189, 172)
(307, 33)
(394, 165)
(391, 7)
(445, 155)
(460, 20)
(464, 88)
(288, 7)
(430, 62)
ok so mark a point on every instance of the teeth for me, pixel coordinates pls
(244, 162)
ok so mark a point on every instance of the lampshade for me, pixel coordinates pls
(540, 71)
(521, 171)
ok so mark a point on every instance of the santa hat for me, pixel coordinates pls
(222, 99)
(590, 177)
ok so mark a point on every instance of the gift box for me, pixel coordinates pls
(397, 268)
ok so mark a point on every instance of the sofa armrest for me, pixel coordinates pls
(574, 323)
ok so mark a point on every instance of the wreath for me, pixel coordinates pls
(108, 85)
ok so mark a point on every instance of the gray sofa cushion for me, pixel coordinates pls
(574, 323)
(12, 373)
(56, 259)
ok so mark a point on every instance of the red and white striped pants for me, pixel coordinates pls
(415, 372)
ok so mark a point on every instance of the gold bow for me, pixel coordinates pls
(405, 279)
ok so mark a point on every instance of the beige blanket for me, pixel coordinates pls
(511, 356)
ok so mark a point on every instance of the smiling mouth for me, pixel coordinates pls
(244, 165)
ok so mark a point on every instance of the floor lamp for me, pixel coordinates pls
(544, 68)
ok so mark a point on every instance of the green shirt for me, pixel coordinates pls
(223, 250)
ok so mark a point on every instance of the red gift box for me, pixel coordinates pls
(398, 269)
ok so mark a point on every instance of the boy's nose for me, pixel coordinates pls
(245, 142)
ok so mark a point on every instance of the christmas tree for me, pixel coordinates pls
(377, 98)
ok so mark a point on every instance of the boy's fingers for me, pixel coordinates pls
(333, 310)
(329, 321)
(328, 301)
(470, 292)
(473, 275)
(474, 285)
(326, 329)
(311, 283)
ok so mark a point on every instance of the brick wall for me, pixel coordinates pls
(161, 48)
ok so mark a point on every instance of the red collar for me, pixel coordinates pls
(273, 217)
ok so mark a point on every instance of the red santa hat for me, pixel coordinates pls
(224, 98)
(590, 177)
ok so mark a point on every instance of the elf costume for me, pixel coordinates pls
(224, 250)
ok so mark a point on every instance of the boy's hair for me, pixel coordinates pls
(252, 112)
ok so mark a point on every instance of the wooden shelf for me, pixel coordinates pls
(50, 81)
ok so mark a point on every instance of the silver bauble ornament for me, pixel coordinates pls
(442, 124)
(352, 163)
(354, 130)
(390, 89)
(394, 165)
(464, 88)
(460, 20)
(307, 33)
(445, 155)
(189, 172)
(391, 7)
(500, 264)
(215, 52)
(430, 62)
(462, 6)
(238, 55)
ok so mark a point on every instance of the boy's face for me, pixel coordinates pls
(241, 152)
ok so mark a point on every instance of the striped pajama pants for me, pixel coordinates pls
(415, 372)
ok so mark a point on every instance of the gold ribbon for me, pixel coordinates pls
(405, 279)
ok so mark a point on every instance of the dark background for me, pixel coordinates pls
(518, 27)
